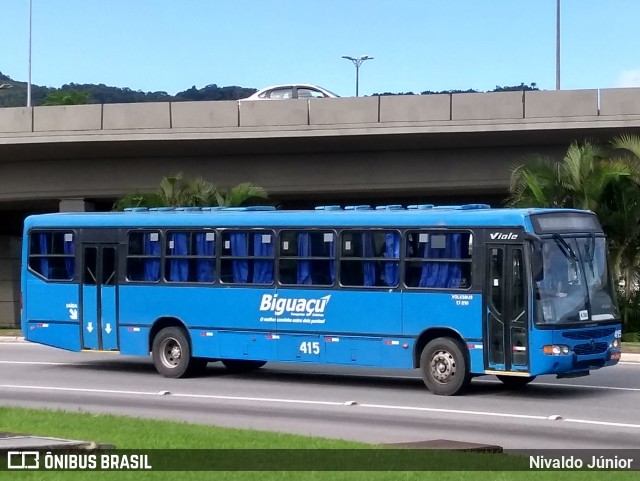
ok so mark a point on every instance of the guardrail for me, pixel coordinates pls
(378, 110)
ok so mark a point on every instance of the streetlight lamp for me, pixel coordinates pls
(357, 61)
(5, 86)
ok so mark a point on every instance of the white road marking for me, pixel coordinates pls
(41, 363)
(320, 403)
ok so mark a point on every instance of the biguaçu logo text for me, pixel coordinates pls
(294, 306)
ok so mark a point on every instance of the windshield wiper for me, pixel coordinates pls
(565, 248)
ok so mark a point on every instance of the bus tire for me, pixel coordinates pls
(444, 366)
(242, 365)
(515, 382)
(171, 353)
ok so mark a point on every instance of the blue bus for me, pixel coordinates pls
(455, 291)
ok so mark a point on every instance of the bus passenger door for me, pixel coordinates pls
(506, 343)
(99, 297)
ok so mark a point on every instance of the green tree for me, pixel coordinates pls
(579, 180)
(605, 179)
(67, 97)
(175, 191)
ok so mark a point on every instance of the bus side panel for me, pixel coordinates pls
(301, 348)
(349, 312)
(54, 304)
(458, 311)
(56, 334)
(255, 346)
(357, 351)
(205, 343)
(196, 307)
(134, 340)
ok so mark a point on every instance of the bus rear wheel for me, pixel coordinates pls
(444, 366)
(242, 365)
(514, 382)
(171, 354)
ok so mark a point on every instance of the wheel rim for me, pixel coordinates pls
(443, 366)
(171, 353)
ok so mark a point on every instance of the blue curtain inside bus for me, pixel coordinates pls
(262, 268)
(178, 268)
(151, 265)
(392, 251)
(240, 267)
(304, 266)
(442, 274)
(44, 261)
(368, 267)
(69, 262)
(205, 267)
(332, 261)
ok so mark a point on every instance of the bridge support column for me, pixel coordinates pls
(76, 205)
(9, 281)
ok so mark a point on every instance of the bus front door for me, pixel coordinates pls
(99, 297)
(506, 341)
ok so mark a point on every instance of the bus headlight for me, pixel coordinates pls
(615, 344)
(556, 350)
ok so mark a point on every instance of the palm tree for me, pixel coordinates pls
(240, 194)
(623, 214)
(578, 180)
(539, 182)
(594, 177)
(175, 191)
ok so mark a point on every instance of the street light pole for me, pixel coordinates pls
(557, 44)
(29, 74)
(357, 61)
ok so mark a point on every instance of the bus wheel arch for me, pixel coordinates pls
(444, 361)
(171, 350)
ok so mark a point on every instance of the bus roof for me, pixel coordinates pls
(330, 216)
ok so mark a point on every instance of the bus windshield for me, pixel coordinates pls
(574, 286)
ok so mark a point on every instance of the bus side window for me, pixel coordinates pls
(307, 258)
(52, 254)
(438, 260)
(370, 258)
(190, 256)
(247, 257)
(143, 256)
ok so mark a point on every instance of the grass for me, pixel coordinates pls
(134, 433)
(631, 347)
(10, 332)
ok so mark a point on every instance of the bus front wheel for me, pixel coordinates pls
(445, 369)
(171, 354)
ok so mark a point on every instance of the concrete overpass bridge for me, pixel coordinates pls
(431, 148)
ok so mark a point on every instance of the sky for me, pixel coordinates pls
(416, 45)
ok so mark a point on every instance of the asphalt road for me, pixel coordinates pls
(599, 411)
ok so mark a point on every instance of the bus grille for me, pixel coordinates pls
(586, 349)
(590, 334)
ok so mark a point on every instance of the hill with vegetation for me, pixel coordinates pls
(103, 94)
(73, 94)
